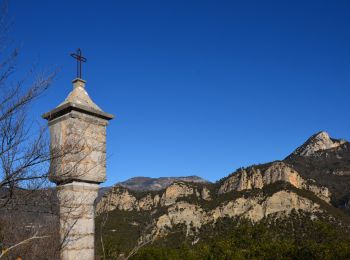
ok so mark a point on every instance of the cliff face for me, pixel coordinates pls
(122, 199)
(253, 208)
(119, 198)
(251, 178)
(187, 205)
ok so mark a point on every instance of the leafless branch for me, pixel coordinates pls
(7, 250)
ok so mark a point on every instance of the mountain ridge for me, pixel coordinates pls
(142, 183)
(311, 183)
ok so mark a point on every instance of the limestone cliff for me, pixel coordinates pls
(117, 198)
(193, 216)
(121, 198)
(252, 178)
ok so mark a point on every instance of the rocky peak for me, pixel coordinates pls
(318, 142)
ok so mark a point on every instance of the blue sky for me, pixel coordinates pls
(197, 87)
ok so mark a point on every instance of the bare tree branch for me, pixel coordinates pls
(7, 250)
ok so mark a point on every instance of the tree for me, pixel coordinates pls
(24, 153)
(24, 147)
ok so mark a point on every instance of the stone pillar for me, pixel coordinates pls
(78, 165)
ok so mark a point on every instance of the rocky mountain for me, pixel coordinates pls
(310, 185)
(151, 184)
(316, 143)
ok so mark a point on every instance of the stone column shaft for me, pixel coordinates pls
(77, 224)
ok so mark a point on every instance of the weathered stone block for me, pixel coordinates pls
(86, 254)
(78, 147)
(77, 218)
(81, 226)
(79, 242)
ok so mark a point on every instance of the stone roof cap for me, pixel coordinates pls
(77, 100)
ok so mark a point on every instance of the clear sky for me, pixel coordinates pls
(197, 87)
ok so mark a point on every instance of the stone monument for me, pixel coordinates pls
(78, 165)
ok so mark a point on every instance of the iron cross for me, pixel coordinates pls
(78, 56)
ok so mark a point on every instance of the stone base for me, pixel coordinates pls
(77, 223)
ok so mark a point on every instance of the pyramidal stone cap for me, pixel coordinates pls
(77, 100)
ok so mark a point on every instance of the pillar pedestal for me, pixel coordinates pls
(77, 224)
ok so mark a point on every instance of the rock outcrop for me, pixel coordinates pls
(122, 199)
(175, 191)
(251, 178)
(318, 142)
(246, 179)
(253, 208)
(117, 198)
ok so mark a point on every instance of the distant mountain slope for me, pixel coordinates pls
(152, 184)
(149, 184)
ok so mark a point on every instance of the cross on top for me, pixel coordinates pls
(78, 56)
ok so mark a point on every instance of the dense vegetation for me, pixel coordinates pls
(310, 240)
(295, 237)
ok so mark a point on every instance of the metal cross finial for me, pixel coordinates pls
(78, 56)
